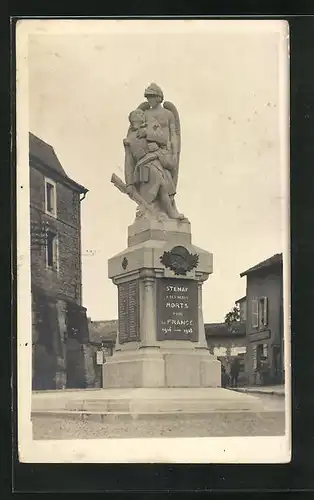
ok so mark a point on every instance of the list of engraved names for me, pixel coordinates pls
(128, 297)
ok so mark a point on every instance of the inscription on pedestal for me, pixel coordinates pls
(128, 304)
(177, 309)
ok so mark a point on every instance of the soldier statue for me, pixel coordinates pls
(152, 153)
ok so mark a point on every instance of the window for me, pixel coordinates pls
(259, 312)
(52, 250)
(50, 197)
(255, 313)
(259, 354)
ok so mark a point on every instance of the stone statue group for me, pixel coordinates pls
(152, 154)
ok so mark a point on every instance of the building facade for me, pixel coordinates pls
(227, 342)
(60, 330)
(264, 322)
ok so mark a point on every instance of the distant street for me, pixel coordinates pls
(269, 422)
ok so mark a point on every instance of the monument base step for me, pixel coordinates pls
(147, 401)
(171, 418)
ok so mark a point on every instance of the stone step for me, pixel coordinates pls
(100, 416)
(143, 400)
(161, 406)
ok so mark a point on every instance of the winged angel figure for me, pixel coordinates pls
(152, 154)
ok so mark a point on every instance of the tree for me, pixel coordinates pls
(233, 316)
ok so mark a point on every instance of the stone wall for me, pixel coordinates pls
(66, 280)
(58, 361)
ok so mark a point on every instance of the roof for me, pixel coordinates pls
(47, 158)
(272, 261)
(103, 330)
(240, 300)
(236, 328)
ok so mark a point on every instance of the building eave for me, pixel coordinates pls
(46, 169)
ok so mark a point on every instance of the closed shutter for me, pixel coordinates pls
(265, 311)
(254, 313)
(254, 357)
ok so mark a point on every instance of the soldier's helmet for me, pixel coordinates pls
(154, 89)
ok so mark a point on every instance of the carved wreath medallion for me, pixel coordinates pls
(179, 260)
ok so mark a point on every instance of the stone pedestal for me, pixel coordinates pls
(161, 338)
(162, 367)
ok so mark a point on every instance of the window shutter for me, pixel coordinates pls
(55, 252)
(244, 311)
(265, 312)
(254, 357)
(254, 313)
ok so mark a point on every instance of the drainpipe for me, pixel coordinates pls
(80, 249)
(84, 195)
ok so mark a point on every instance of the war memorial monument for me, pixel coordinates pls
(161, 365)
(161, 362)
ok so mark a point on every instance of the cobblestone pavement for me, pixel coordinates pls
(214, 425)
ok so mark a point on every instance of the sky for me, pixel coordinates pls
(226, 83)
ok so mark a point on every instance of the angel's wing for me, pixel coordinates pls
(171, 107)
